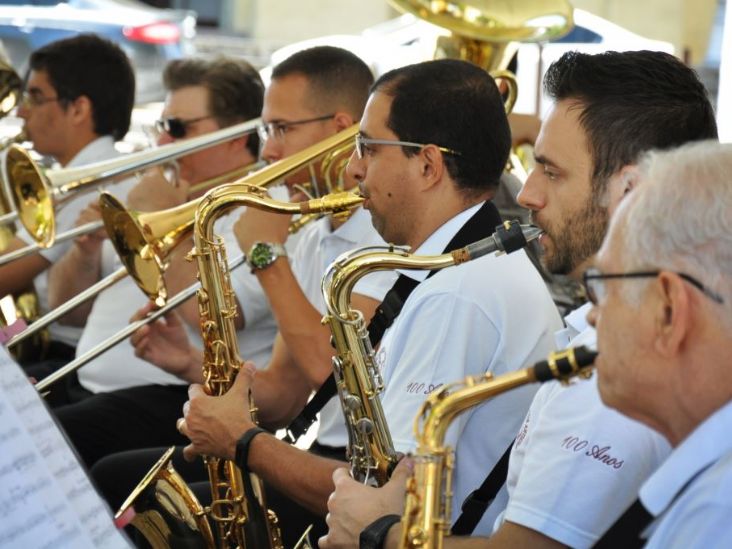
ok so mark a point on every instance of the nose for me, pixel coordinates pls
(272, 150)
(356, 168)
(531, 195)
(592, 316)
(164, 138)
(22, 111)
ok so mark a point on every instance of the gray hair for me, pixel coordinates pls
(680, 217)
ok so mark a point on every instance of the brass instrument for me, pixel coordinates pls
(370, 449)
(426, 520)
(238, 511)
(11, 86)
(37, 193)
(487, 32)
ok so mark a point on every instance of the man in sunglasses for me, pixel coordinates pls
(575, 464)
(662, 292)
(433, 144)
(73, 116)
(126, 402)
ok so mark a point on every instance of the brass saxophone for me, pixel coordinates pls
(370, 449)
(426, 520)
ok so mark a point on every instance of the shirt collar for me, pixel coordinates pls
(703, 447)
(102, 148)
(438, 240)
(576, 323)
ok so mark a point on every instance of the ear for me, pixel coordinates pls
(343, 120)
(81, 111)
(629, 178)
(431, 165)
(673, 314)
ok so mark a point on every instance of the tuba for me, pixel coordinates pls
(370, 449)
(238, 513)
(426, 520)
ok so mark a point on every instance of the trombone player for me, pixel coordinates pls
(203, 96)
(74, 115)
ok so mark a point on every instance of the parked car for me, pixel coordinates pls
(406, 39)
(150, 36)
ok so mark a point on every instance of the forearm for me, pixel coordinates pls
(308, 341)
(282, 466)
(72, 274)
(18, 275)
(278, 400)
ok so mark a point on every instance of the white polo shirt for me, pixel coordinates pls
(492, 314)
(317, 249)
(576, 464)
(100, 149)
(691, 492)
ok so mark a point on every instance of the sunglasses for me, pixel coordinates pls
(176, 127)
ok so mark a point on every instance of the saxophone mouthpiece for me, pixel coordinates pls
(508, 238)
(333, 202)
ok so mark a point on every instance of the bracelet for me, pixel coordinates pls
(241, 455)
(374, 535)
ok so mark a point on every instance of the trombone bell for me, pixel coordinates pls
(32, 200)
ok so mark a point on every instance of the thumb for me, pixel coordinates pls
(143, 312)
(401, 473)
(244, 378)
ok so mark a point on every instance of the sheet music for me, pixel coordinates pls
(46, 498)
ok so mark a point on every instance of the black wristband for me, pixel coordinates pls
(241, 455)
(374, 535)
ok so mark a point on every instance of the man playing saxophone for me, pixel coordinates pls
(661, 294)
(313, 95)
(73, 115)
(569, 439)
(433, 143)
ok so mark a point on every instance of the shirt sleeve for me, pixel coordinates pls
(583, 465)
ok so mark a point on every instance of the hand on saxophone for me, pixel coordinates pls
(215, 423)
(353, 506)
(165, 344)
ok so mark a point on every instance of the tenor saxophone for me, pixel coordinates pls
(426, 519)
(370, 449)
(238, 516)
(238, 507)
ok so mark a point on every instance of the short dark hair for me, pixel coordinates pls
(452, 104)
(631, 102)
(235, 89)
(336, 78)
(91, 66)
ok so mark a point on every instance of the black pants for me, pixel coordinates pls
(117, 475)
(139, 417)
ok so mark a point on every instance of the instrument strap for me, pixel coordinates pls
(481, 225)
(626, 532)
(478, 500)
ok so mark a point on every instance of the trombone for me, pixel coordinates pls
(143, 240)
(37, 193)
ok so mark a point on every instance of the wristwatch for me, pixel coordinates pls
(263, 254)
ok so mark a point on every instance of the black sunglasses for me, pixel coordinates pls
(176, 127)
(594, 283)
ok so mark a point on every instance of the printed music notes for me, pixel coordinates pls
(46, 499)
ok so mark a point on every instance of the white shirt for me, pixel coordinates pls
(119, 368)
(492, 314)
(691, 492)
(100, 149)
(576, 464)
(317, 249)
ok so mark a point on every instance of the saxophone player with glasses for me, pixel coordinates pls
(74, 116)
(314, 95)
(569, 440)
(432, 145)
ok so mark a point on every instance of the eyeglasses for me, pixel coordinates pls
(363, 145)
(278, 129)
(594, 283)
(30, 99)
(176, 127)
